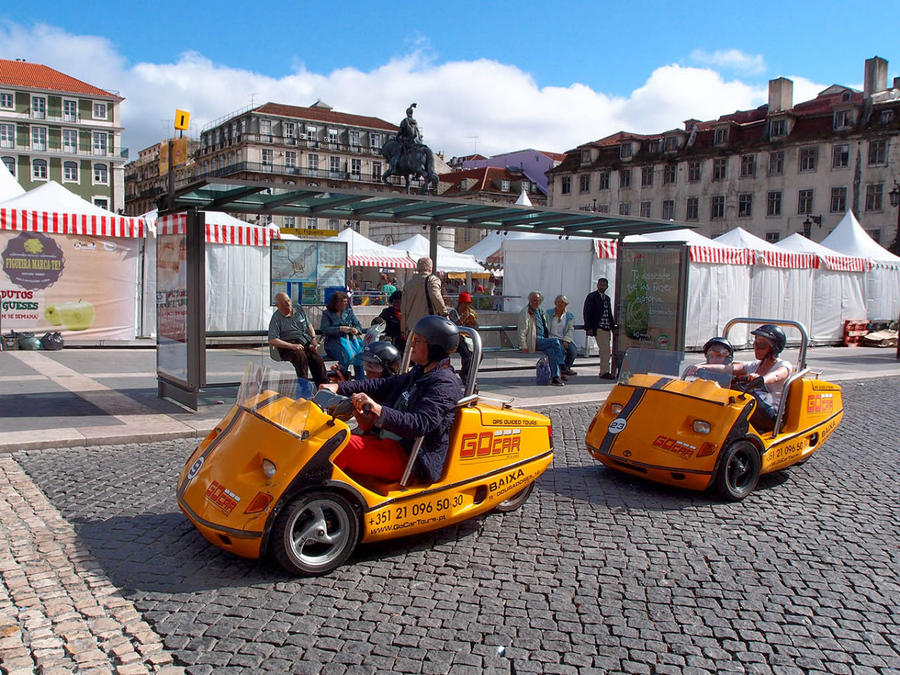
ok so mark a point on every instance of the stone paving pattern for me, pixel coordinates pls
(597, 573)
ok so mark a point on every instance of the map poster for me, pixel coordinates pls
(171, 305)
(305, 268)
(651, 296)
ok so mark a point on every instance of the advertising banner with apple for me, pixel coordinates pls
(82, 286)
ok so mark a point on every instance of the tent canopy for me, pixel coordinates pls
(851, 239)
(832, 259)
(702, 249)
(766, 253)
(9, 186)
(224, 229)
(418, 246)
(363, 252)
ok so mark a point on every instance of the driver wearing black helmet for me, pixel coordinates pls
(419, 402)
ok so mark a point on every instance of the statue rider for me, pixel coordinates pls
(409, 136)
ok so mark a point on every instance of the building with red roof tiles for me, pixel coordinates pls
(533, 163)
(56, 127)
(773, 170)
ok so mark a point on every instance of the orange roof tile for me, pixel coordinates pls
(37, 76)
(324, 115)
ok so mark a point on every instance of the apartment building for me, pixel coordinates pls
(56, 127)
(533, 163)
(778, 169)
(146, 178)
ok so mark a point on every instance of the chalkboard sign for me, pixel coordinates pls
(651, 296)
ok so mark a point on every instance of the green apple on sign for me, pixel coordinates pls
(77, 315)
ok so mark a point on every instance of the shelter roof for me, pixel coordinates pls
(38, 76)
(241, 196)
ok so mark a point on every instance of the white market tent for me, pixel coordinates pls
(418, 246)
(493, 243)
(883, 279)
(837, 290)
(363, 252)
(781, 280)
(9, 186)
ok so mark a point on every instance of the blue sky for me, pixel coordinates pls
(512, 74)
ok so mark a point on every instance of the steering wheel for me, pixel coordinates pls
(747, 384)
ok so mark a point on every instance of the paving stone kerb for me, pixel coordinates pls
(598, 572)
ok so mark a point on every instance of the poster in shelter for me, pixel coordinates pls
(651, 302)
(171, 305)
(306, 269)
(82, 286)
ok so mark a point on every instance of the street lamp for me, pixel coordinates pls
(808, 223)
(895, 202)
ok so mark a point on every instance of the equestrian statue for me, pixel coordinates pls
(408, 156)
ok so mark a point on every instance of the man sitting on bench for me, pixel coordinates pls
(534, 336)
(295, 339)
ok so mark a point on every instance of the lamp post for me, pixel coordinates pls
(808, 223)
(895, 202)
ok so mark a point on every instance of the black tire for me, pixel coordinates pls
(738, 471)
(516, 500)
(315, 533)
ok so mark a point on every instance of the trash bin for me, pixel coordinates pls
(10, 341)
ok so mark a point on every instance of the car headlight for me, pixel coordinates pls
(701, 427)
(268, 468)
(615, 408)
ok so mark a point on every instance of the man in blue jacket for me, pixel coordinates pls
(417, 403)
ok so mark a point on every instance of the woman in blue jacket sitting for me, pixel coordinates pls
(562, 326)
(339, 321)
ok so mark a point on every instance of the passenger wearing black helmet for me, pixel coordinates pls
(419, 402)
(380, 359)
(718, 351)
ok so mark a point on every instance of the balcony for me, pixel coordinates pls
(64, 152)
(281, 170)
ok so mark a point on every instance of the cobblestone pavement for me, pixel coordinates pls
(598, 572)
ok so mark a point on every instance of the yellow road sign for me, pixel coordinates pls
(182, 119)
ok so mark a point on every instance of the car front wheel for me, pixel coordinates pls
(739, 471)
(315, 533)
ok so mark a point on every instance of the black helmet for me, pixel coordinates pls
(440, 333)
(383, 354)
(774, 335)
(720, 342)
(396, 295)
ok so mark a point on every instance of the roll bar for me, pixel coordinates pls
(804, 336)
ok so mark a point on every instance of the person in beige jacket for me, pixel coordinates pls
(421, 296)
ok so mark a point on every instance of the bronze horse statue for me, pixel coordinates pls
(416, 161)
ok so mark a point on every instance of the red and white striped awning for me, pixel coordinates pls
(845, 263)
(386, 262)
(698, 254)
(606, 248)
(51, 222)
(793, 259)
(217, 233)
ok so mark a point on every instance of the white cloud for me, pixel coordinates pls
(499, 103)
(730, 59)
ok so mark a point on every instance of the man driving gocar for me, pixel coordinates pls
(417, 403)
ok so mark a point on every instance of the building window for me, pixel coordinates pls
(101, 174)
(100, 110)
(646, 176)
(7, 135)
(624, 208)
(101, 202)
(808, 157)
(288, 221)
(355, 168)
(887, 116)
(625, 151)
(70, 110)
(312, 223)
(717, 207)
(312, 162)
(603, 180)
(878, 152)
(624, 178)
(745, 205)
(333, 137)
(668, 209)
(354, 138)
(874, 193)
(838, 200)
(774, 204)
(720, 136)
(526, 186)
(334, 165)
(773, 237)
(265, 131)
(840, 156)
(267, 154)
(504, 185)
(671, 143)
(748, 166)
(376, 171)
(720, 168)
(374, 141)
(70, 141)
(692, 211)
(843, 119)
(10, 163)
(805, 202)
(99, 144)
(6, 100)
(694, 171)
(646, 209)
(670, 174)
(584, 182)
(585, 156)
(38, 138)
(312, 136)
(565, 185)
(288, 129)
(776, 163)
(777, 128)
(290, 159)
(39, 169)
(70, 172)
(602, 208)
(38, 107)
(654, 146)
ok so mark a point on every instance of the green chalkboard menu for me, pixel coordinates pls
(651, 296)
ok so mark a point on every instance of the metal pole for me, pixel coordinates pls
(433, 244)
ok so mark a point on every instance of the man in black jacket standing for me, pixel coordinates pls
(600, 322)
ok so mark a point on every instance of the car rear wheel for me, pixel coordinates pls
(315, 533)
(516, 500)
(739, 471)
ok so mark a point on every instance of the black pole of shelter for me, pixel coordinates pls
(433, 244)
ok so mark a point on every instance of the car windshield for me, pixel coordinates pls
(669, 364)
(258, 389)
